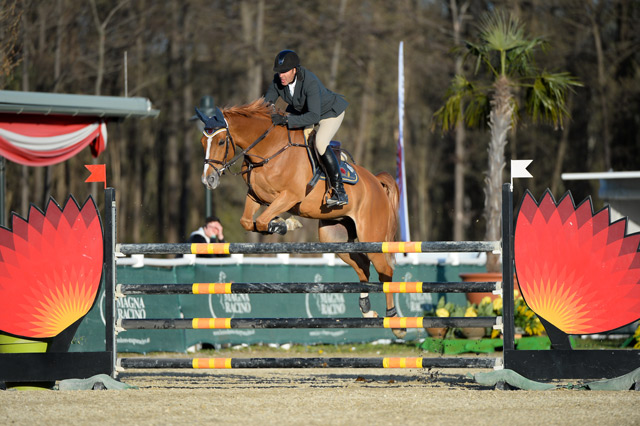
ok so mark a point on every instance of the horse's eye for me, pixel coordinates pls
(221, 142)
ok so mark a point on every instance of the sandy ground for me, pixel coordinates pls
(316, 396)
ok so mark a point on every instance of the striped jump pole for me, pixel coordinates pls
(310, 247)
(263, 323)
(308, 287)
(226, 363)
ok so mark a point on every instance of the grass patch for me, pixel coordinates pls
(383, 349)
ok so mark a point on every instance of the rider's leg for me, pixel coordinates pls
(307, 133)
(327, 128)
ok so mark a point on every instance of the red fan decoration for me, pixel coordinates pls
(50, 268)
(575, 269)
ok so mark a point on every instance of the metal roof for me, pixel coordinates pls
(601, 175)
(18, 102)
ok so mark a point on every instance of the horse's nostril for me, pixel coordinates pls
(211, 181)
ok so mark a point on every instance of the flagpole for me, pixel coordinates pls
(400, 170)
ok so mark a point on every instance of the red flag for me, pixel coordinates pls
(98, 173)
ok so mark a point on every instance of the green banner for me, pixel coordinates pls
(90, 335)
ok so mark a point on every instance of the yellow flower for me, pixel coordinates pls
(470, 312)
(442, 312)
(485, 300)
(497, 304)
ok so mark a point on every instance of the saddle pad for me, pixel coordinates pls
(349, 174)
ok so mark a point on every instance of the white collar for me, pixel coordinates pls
(292, 85)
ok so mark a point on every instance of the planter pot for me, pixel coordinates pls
(437, 332)
(473, 332)
(480, 277)
(12, 345)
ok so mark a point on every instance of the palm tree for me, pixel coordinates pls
(506, 55)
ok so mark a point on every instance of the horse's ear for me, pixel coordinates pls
(201, 116)
(220, 117)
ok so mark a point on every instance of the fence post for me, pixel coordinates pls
(508, 319)
(109, 269)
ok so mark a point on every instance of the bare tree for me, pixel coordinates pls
(10, 17)
(460, 219)
(253, 36)
(337, 45)
(101, 28)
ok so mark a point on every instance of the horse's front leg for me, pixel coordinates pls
(251, 206)
(282, 203)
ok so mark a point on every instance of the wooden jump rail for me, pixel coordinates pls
(264, 323)
(309, 248)
(390, 362)
(308, 287)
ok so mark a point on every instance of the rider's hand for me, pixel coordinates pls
(279, 120)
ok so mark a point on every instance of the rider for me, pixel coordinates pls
(310, 104)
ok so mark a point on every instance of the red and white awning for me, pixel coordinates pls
(36, 140)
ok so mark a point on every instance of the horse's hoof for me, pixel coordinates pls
(400, 333)
(292, 223)
(277, 227)
(370, 314)
(365, 304)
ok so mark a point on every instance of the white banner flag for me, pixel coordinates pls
(401, 177)
(519, 169)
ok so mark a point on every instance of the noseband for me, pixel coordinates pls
(228, 141)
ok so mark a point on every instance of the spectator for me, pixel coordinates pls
(210, 232)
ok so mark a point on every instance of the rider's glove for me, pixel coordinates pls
(279, 120)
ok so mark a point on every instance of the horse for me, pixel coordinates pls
(276, 169)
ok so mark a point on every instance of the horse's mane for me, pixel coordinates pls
(257, 107)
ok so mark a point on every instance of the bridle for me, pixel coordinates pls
(225, 165)
(228, 140)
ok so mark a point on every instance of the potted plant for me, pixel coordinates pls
(472, 332)
(443, 310)
(504, 56)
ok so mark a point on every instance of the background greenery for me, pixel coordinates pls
(179, 50)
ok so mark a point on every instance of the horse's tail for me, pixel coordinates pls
(393, 195)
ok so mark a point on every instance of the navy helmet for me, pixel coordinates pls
(285, 61)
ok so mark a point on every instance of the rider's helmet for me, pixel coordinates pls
(286, 60)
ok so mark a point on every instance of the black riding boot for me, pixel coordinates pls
(332, 167)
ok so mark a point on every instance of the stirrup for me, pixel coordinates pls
(337, 199)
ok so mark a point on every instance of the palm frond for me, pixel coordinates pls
(478, 110)
(546, 97)
(501, 31)
(482, 56)
(520, 60)
(449, 114)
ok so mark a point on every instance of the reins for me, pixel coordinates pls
(245, 152)
(252, 165)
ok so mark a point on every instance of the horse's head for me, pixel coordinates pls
(218, 147)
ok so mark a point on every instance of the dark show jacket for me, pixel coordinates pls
(196, 237)
(311, 101)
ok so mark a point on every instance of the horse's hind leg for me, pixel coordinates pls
(382, 262)
(383, 265)
(344, 231)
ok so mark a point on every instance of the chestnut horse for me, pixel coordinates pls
(276, 168)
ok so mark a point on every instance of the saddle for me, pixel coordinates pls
(348, 172)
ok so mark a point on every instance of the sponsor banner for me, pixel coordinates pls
(90, 335)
